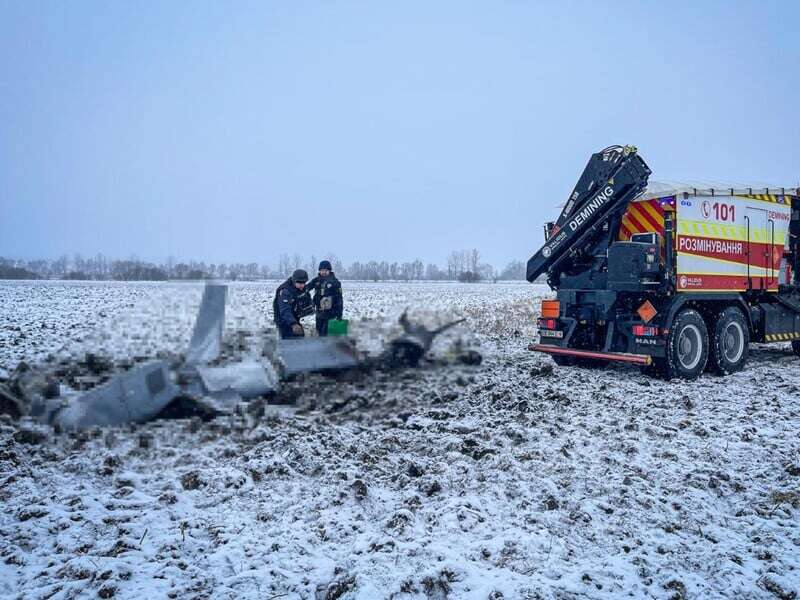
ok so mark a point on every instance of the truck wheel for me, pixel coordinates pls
(796, 347)
(729, 342)
(687, 346)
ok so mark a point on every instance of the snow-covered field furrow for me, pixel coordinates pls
(515, 479)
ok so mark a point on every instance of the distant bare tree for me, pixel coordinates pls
(252, 271)
(102, 266)
(284, 266)
(474, 258)
(60, 266)
(486, 272)
(434, 273)
(336, 263)
(417, 270)
(453, 265)
(515, 270)
(297, 263)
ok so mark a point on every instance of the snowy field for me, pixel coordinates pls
(512, 479)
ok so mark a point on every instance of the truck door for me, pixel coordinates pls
(760, 240)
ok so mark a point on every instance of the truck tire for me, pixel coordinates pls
(730, 338)
(796, 347)
(687, 346)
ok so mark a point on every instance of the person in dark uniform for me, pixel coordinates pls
(327, 291)
(292, 303)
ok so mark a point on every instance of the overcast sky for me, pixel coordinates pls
(234, 131)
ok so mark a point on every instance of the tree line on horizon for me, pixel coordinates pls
(461, 265)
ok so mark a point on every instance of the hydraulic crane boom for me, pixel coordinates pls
(585, 227)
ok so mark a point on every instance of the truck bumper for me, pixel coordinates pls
(638, 359)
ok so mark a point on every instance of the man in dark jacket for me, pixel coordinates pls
(327, 296)
(292, 303)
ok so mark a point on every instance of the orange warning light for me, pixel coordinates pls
(551, 308)
(646, 311)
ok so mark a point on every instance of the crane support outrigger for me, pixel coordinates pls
(675, 277)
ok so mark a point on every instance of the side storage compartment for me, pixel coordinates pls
(774, 322)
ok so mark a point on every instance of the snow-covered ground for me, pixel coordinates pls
(513, 479)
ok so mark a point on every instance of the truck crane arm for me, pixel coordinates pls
(612, 178)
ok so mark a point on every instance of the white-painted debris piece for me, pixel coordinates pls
(206, 342)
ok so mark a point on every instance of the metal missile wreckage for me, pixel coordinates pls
(303, 355)
(203, 382)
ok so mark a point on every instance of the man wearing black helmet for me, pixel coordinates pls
(327, 296)
(292, 303)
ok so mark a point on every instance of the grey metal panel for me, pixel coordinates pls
(304, 355)
(207, 336)
(249, 378)
(137, 395)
